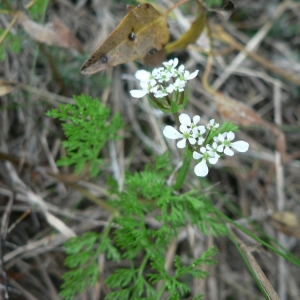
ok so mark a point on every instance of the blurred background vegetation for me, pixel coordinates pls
(253, 81)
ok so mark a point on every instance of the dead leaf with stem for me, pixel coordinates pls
(142, 32)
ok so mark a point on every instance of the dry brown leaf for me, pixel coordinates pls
(5, 88)
(53, 34)
(142, 32)
(287, 223)
(239, 113)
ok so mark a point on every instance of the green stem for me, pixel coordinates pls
(143, 265)
(176, 118)
(161, 291)
(183, 171)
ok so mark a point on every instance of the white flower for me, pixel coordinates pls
(186, 120)
(201, 168)
(226, 144)
(212, 125)
(212, 150)
(179, 85)
(148, 87)
(171, 64)
(200, 130)
(170, 88)
(163, 75)
(187, 75)
(180, 70)
(170, 67)
(160, 94)
(143, 75)
(185, 134)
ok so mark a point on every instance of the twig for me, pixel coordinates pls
(174, 6)
(260, 275)
(3, 233)
(282, 269)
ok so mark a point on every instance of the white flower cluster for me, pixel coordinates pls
(157, 82)
(208, 152)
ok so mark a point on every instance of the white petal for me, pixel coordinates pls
(185, 119)
(138, 93)
(184, 129)
(175, 62)
(201, 169)
(181, 144)
(197, 155)
(196, 119)
(221, 137)
(192, 141)
(211, 154)
(192, 75)
(154, 89)
(155, 71)
(195, 132)
(216, 139)
(152, 82)
(201, 129)
(203, 149)
(171, 133)
(240, 146)
(181, 68)
(213, 160)
(220, 148)
(215, 145)
(168, 63)
(144, 85)
(230, 136)
(170, 88)
(200, 141)
(186, 74)
(228, 151)
(160, 94)
(142, 75)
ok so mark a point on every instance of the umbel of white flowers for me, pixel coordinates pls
(163, 81)
(210, 152)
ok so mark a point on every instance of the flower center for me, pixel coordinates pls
(227, 143)
(186, 135)
(205, 156)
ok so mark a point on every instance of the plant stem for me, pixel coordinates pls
(174, 6)
(143, 265)
(183, 171)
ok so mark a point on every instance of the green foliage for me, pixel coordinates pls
(173, 284)
(144, 192)
(82, 259)
(87, 128)
(12, 43)
(213, 3)
(37, 11)
(83, 263)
